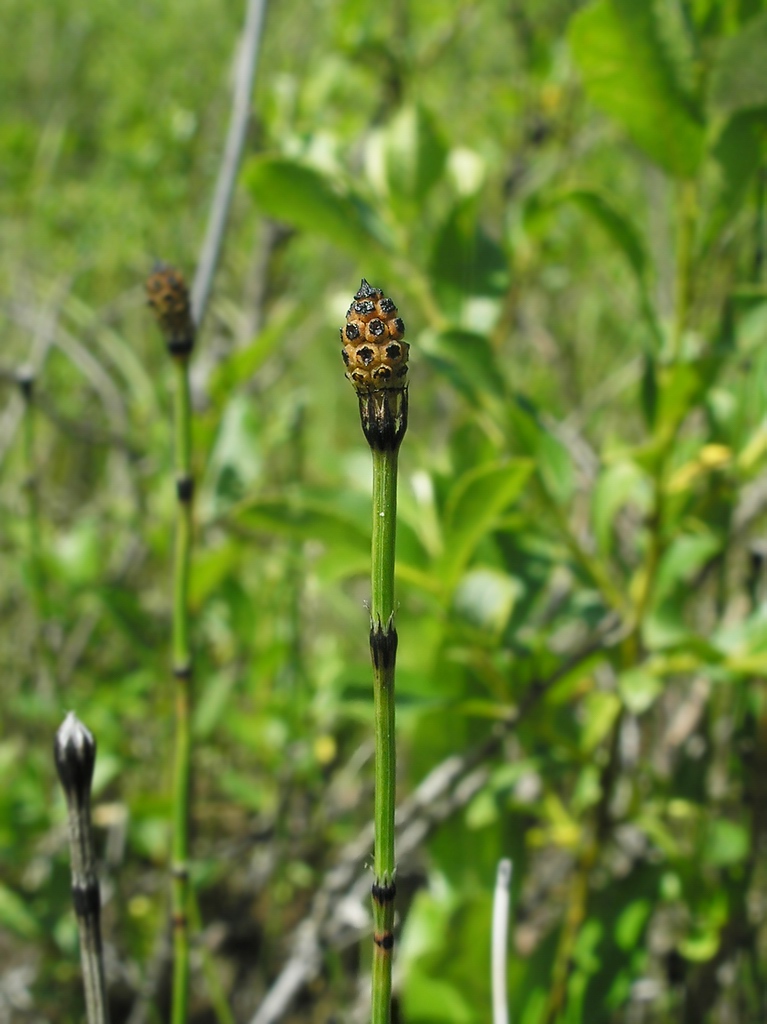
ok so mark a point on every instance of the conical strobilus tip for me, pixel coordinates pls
(74, 751)
(168, 295)
(373, 351)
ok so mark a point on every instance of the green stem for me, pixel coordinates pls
(383, 645)
(182, 672)
(384, 535)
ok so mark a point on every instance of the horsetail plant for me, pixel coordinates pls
(376, 359)
(74, 751)
(169, 298)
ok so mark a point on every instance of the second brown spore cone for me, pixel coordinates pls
(374, 352)
(168, 296)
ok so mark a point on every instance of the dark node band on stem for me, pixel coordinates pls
(383, 893)
(383, 645)
(179, 922)
(86, 898)
(25, 378)
(180, 871)
(185, 488)
(183, 671)
(384, 940)
(383, 415)
(181, 347)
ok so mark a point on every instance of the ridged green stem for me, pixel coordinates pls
(182, 672)
(383, 647)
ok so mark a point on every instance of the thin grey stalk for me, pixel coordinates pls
(249, 46)
(74, 751)
(500, 942)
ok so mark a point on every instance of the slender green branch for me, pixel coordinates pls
(170, 299)
(74, 751)
(376, 360)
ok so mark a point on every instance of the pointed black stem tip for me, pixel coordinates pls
(74, 751)
(366, 290)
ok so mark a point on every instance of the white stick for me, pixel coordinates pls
(500, 942)
(230, 164)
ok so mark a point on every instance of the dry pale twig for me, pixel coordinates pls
(500, 940)
(249, 45)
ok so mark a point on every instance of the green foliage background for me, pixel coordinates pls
(567, 202)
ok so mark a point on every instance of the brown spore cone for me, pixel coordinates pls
(373, 350)
(168, 295)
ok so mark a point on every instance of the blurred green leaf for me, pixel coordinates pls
(680, 387)
(627, 72)
(342, 520)
(465, 260)
(618, 226)
(474, 507)
(701, 945)
(485, 598)
(726, 844)
(683, 559)
(242, 364)
(619, 484)
(467, 360)
(639, 689)
(552, 460)
(738, 81)
(78, 556)
(16, 916)
(306, 199)
(600, 710)
(235, 461)
(210, 569)
(631, 923)
(407, 158)
(736, 154)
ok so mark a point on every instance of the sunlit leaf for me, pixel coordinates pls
(619, 484)
(600, 709)
(16, 916)
(467, 360)
(474, 507)
(407, 158)
(738, 81)
(727, 843)
(465, 260)
(306, 199)
(639, 689)
(628, 73)
(617, 224)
